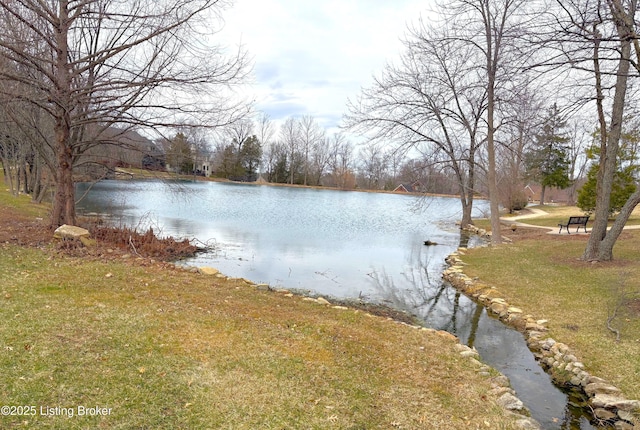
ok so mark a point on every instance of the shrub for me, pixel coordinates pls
(146, 244)
(516, 201)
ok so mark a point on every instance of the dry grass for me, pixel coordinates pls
(143, 244)
(165, 348)
(544, 275)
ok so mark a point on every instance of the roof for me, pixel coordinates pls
(407, 187)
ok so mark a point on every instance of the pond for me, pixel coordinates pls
(341, 244)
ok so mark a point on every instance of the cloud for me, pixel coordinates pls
(311, 56)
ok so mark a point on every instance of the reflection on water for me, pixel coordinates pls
(342, 244)
(422, 292)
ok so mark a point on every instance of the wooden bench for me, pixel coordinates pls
(575, 220)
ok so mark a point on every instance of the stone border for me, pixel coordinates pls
(608, 404)
(500, 386)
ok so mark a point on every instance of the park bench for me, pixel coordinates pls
(575, 220)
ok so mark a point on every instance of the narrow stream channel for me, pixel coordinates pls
(505, 349)
(442, 307)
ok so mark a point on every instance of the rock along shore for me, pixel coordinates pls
(607, 402)
(500, 386)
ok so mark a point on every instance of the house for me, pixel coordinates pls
(203, 166)
(407, 187)
(551, 194)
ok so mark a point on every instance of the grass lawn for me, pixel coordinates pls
(543, 275)
(163, 348)
(20, 205)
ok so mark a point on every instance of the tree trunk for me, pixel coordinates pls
(18, 177)
(466, 194)
(605, 248)
(24, 170)
(64, 198)
(64, 211)
(542, 190)
(600, 243)
(467, 207)
(492, 65)
(494, 204)
(6, 167)
(40, 187)
(36, 179)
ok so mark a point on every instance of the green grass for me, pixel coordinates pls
(22, 203)
(547, 279)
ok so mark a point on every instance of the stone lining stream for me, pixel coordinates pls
(610, 409)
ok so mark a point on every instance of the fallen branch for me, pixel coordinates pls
(621, 298)
(609, 320)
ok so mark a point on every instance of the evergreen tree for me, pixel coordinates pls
(180, 155)
(624, 179)
(546, 161)
(250, 156)
(240, 161)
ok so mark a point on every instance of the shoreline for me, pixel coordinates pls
(500, 385)
(169, 176)
(605, 401)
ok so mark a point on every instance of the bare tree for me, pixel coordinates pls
(341, 161)
(238, 132)
(599, 42)
(311, 136)
(396, 159)
(25, 129)
(290, 138)
(235, 138)
(601, 241)
(448, 90)
(494, 29)
(374, 164)
(265, 129)
(432, 101)
(578, 160)
(517, 135)
(275, 162)
(320, 157)
(92, 64)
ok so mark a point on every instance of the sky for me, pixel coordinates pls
(310, 56)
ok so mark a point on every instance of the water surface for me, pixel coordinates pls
(340, 244)
(335, 243)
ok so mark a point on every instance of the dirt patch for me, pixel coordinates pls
(20, 230)
(634, 308)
